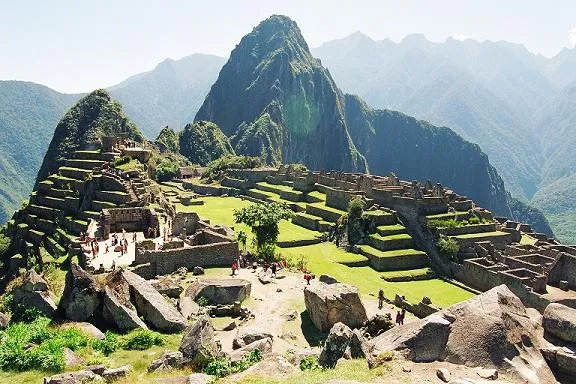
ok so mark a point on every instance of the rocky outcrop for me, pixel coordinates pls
(248, 335)
(492, 330)
(79, 377)
(560, 321)
(87, 328)
(34, 293)
(328, 304)
(263, 345)
(82, 295)
(335, 345)
(188, 307)
(4, 320)
(220, 291)
(168, 288)
(561, 359)
(168, 361)
(198, 345)
(121, 315)
(149, 304)
(378, 324)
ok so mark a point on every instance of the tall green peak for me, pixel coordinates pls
(168, 140)
(202, 142)
(276, 101)
(93, 116)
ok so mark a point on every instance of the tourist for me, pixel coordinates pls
(274, 268)
(254, 266)
(126, 245)
(307, 277)
(113, 265)
(402, 316)
(398, 318)
(134, 237)
(380, 298)
(234, 267)
(107, 248)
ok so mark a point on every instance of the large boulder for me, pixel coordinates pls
(168, 361)
(4, 320)
(421, 341)
(150, 304)
(120, 313)
(328, 304)
(78, 377)
(220, 291)
(248, 335)
(87, 328)
(82, 295)
(168, 288)
(34, 293)
(560, 321)
(335, 345)
(198, 344)
(188, 307)
(491, 330)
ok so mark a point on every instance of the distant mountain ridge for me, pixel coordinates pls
(516, 105)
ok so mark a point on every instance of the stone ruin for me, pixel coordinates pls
(195, 244)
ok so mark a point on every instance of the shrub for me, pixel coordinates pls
(221, 367)
(108, 345)
(448, 246)
(449, 223)
(21, 313)
(217, 169)
(121, 161)
(202, 301)
(142, 339)
(309, 363)
(166, 171)
(355, 211)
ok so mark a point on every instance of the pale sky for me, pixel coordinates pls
(77, 46)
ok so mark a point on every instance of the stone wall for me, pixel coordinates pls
(339, 199)
(129, 219)
(563, 270)
(184, 223)
(252, 176)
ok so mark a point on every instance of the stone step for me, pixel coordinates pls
(394, 260)
(57, 192)
(43, 212)
(387, 230)
(36, 236)
(327, 213)
(307, 221)
(261, 195)
(54, 248)
(45, 185)
(74, 226)
(115, 197)
(314, 197)
(63, 182)
(51, 202)
(95, 155)
(74, 173)
(100, 205)
(84, 164)
(392, 242)
(379, 217)
(87, 215)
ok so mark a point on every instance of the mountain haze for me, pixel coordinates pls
(516, 105)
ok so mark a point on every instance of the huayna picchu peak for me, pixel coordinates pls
(290, 233)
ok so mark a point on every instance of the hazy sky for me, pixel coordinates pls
(77, 46)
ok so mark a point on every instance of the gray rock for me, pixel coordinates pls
(198, 271)
(120, 315)
(248, 335)
(358, 347)
(334, 303)
(33, 282)
(443, 374)
(168, 288)
(71, 359)
(264, 280)
(150, 304)
(423, 341)
(82, 295)
(97, 369)
(198, 344)
(566, 361)
(168, 361)
(378, 324)
(220, 291)
(200, 378)
(43, 301)
(327, 279)
(263, 345)
(87, 328)
(188, 307)
(487, 373)
(560, 321)
(335, 345)
(230, 327)
(79, 377)
(4, 320)
(114, 374)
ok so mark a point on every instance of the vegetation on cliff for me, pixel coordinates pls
(95, 115)
(168, 140)
(202, 142)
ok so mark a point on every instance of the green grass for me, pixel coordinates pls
(448, 215)
(317, 194)
(408, 274)
(528, 240)
(325, 258)
(220, 210)
(327, 208)
(278, 187)
(399, 236)
(132, 164)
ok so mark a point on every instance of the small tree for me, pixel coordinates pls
(263, 219)
(448, 247)
(355, 211)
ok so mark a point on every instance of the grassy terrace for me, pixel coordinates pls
(395, 253)
(481, 234)
(317, 194)
(275, 187)
(220, 210)
(449, 215)
(399, 236)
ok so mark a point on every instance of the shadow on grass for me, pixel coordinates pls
(312, 335)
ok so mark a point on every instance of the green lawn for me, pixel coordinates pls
(220, 210)
(481, 234)
(317, 194)
(326, 258)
